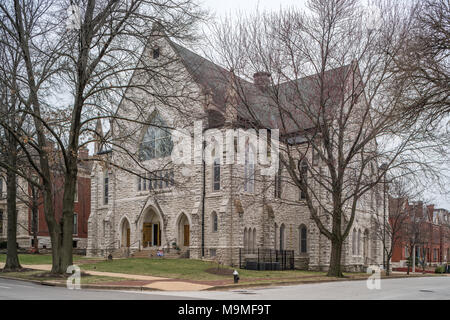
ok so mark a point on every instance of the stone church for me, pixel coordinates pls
(142, 201)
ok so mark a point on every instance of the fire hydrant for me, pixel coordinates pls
(236, 276)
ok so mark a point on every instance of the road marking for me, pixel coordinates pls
(5, 287)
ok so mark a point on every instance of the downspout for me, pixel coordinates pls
(203, 198)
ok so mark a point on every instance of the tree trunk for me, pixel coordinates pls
(335, 269)
(35, 213)
(12, 259)
(67, 216)
(388, 265)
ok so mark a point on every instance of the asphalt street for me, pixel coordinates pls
(391, 289)
(20, 290)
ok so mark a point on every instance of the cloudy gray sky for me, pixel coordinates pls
(221, 7)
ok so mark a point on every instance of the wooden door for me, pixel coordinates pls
(186, 235)
(128, 237)
(147, 235)
(156, 235)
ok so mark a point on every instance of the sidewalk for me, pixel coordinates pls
(139, 281)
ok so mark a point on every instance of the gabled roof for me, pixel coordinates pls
(256, 105)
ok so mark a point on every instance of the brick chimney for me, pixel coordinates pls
(261, 79)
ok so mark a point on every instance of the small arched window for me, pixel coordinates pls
(249, 168)
(214, 221)
(254, 239)
(275, 235)
(354, 242)
(366, 244)
(359, 242)
(216, 172)
(157, 141)
(303, 239)
(245, 239)
(303, 177)
(282, 244)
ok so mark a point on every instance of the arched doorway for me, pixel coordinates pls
(184, 231)
(125, 232)
(151, 229)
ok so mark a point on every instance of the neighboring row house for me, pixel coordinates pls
(427, 230)
(27, 227)
(208, 211)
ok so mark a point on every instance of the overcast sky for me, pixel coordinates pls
(221, 7)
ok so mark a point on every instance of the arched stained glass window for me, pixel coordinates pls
(157, 141)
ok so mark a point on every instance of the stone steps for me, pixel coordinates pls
(152, 253)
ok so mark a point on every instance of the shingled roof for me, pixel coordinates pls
(255, 105)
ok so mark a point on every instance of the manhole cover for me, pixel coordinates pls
(425, 291)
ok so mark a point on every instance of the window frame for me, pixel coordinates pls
(106, 188)
(216, 174)
(215, 222)
(303, 175)
(249, 169)
(75, 224)
(303, 239)
(157, 141)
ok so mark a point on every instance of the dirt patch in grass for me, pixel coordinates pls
(220, 271)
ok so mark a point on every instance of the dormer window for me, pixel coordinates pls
(155, 53)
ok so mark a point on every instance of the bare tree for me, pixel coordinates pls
(322, 77)
(389, 232)
(93, 61)
(423, 64)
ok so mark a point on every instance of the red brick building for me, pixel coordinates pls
(82, 207)
(426, 229)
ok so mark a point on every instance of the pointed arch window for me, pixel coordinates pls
(354, 242)
(249, 168)
(282, 243)
(216, 172)
(157, 141)
(303, 177)
(359, 243)
(215, 223)
(303, 239)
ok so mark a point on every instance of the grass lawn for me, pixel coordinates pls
(39, 258)
(187, 269)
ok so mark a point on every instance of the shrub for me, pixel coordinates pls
(3, 244)
(439, 269)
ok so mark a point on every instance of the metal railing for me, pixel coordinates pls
(266, 259)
